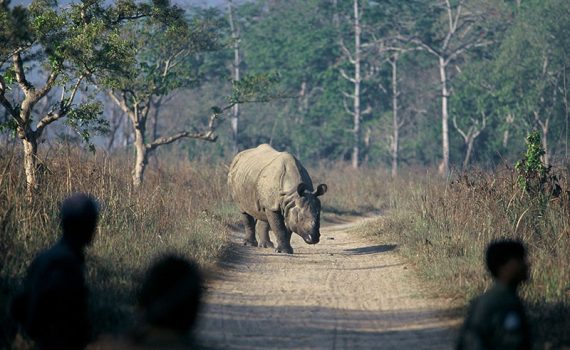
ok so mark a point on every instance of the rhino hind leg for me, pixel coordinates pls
(262, 229)
(249, 223)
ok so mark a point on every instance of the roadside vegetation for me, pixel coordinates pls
(443, 228)
(183, 209)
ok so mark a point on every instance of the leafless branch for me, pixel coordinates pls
(120, 102)
(345, 76)
(347, 52)
(459, 130)
(205, 136)
(467, 46)
(50, 81)
(20, 75)
(63, 108)
(421, 45)
(74, 90)
(348, 110)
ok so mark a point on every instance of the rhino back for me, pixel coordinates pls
(257, 177)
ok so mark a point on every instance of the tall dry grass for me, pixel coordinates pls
(350, 191)
(444, 227)
(182, 208)
(441, 226)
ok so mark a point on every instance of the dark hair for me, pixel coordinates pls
(171, 292)
(79, 214)
(501, 251)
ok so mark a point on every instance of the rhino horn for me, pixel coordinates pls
(321, 189)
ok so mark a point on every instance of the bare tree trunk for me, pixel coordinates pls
(444, 170)
(367, 145)
(304, 102)
(470, 135)
(395, 122)
(30, 164)
(357, 80)
(154, 121)
(234, 119)
(544, 126)
(509, 121)
(468, 152)
(141, 159)
(546, 156)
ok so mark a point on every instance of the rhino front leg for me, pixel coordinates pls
(282, 235)
(249, 223)
(262, 229)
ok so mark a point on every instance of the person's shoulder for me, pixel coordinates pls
(56, 263)
(498, 295)
(494, 300)
(57, 251)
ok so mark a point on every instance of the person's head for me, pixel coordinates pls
(79, 215)
(506, 261)
(171, 293)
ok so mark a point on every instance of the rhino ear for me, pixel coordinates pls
(321, 189)
(301, 188)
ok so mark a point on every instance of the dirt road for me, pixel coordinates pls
(343, 293)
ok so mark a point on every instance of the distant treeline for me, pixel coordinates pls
(447, 83)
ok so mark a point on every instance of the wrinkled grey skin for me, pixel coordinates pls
(274, 192)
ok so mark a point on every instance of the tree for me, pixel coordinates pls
(355, 58)
(70, 45)
(298, 39)
(165, 62)
(448, 31)
(168, 60)
(474, 102)
(234, 120)
(532, 67)
(397, 123)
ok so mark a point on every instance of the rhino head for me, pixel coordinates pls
(302, 212)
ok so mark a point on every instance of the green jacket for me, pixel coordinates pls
(496, 320)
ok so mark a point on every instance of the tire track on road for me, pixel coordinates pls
(343, 293)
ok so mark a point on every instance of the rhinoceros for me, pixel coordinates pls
(274, 191)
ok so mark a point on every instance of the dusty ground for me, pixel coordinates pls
(343, 293)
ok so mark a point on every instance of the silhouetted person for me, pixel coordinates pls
(169, 301)
(52, 309)
(497, 319)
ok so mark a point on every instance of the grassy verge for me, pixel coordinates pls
(350, 191)
(184, 208)
(443, 228)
